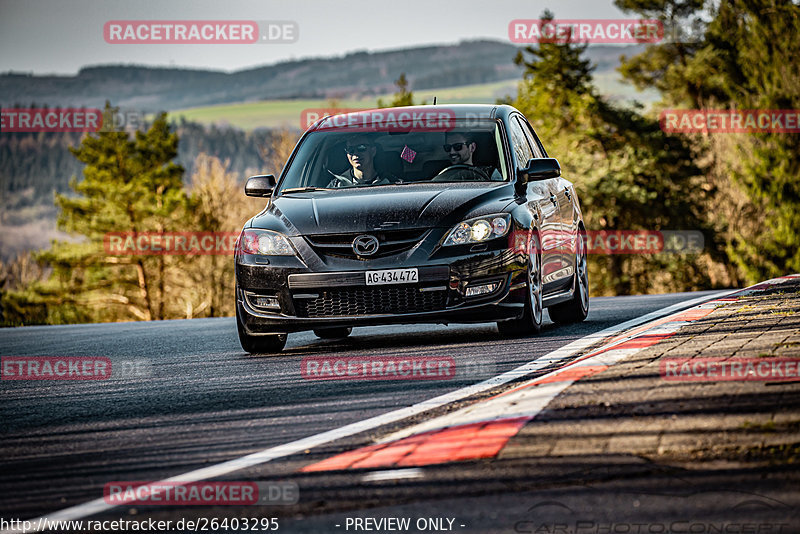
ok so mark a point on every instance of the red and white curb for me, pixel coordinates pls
(483, 429)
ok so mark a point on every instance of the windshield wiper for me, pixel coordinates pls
(304, 189)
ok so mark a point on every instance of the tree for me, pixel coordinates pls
(746, 58)
(664, 66)
(129, 185)
(629, 174)
(276, 150)
(20, 305)
(402, 97)
(218, 205)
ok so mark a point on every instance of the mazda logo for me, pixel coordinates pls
(365, 245)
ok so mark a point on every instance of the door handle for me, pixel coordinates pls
(566, 192)
(553, 199)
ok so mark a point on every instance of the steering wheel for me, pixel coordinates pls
(460, 168)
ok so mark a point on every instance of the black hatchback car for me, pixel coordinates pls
(426, 214)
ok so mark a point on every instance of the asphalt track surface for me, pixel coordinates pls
(201, 400)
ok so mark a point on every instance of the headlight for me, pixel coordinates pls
(478, 230)
(264, 242)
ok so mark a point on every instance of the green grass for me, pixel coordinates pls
(485, 93)
(263, 114)
(286, 113)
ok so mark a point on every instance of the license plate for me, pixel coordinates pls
(392, 276)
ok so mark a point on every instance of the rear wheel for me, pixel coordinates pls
(576, 309)
(531, 321)
(267, 344)
(333, 333)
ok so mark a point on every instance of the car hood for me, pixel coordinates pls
(385, 207)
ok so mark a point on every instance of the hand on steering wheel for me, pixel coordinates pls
(460, 168)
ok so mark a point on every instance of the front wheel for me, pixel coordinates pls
(576, 309)
(531, 321)
(268, 344)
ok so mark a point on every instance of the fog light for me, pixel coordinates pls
(483, 289)
(270, 303)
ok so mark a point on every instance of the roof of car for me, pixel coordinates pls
(412, 115)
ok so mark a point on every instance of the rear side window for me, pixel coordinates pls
(519, 142)
(531, 137)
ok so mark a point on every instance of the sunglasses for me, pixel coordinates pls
(358, 149)
(456, 146)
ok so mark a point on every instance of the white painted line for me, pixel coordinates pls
(394, 474)
(287, 449)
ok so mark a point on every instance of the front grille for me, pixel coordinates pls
(371, 301)
(341, 245)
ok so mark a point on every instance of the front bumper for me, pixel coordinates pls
(309, 299)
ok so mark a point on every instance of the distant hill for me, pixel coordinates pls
(356, 75)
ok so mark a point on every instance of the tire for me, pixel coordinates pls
(333, 333)
(268, 344)
(531, 321)
(576, 309)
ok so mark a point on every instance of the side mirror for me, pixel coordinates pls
(540, 169)
(260, 186)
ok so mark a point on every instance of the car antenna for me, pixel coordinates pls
(434, 100)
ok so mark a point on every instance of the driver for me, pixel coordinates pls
(361, 156)
(460, 147)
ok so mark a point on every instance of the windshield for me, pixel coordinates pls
(342, 158)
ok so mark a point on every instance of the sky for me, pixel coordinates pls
(61, 36)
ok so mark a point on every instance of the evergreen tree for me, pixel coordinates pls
(629, 174)
(402, 97)
(129, 185)
(746, 58)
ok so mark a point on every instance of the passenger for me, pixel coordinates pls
(460, 148)
(361, 155)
